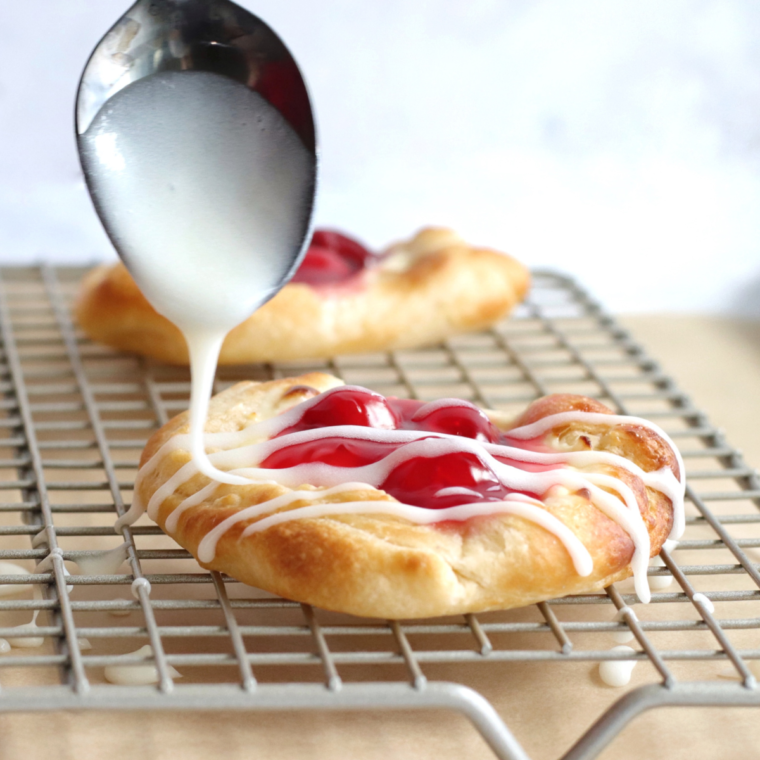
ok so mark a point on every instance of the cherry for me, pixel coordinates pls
(347, 247)
(405, 409)
(347, 406)
(467, 421)
(338, 452)
(418, 480)
(331, 258)
(322, 266)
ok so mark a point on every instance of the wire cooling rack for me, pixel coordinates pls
(74, 417)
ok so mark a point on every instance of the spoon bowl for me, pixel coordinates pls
(214, 36)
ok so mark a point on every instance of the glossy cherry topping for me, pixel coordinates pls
(347, 406)
(444, 481)
(332, 258)
(436, 481)
(335, 451)
(460, 419)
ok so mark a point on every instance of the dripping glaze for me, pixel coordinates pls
(514, 458)
(207, 192)
(617, 673)
(136, 673)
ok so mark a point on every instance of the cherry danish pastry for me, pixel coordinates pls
(342, 299)
(398, 508)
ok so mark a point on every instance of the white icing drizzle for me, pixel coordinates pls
(46, 564)
(204, 347)
(526, 432)
(659, 582)
(4, 646)
(40, 539)
(29, 642)
(69, 588)
(238, 450)
(26, 642)
(533, 512)
(441, 403)
(702, 601)
(136, 675)
(622, 616)
(263, 431)
(133, 514)
(661, 480)
(256, 431)
(458, 491)
(374, 474)
(280, 501)
(104, 562)
(617, 672)
(139, 583)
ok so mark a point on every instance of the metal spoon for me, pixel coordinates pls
(215, 36)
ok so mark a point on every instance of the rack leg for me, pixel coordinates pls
(695, 694)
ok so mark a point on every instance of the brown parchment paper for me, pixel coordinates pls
(717, 361)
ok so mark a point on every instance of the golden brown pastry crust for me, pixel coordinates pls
(382, 566)
(423, 291)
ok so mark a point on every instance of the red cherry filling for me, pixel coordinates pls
(467, 421)
(349, 406)
(347, 247)
(421, 481)
(331, 258)
(338, 452)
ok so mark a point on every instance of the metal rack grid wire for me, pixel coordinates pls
(74, 417)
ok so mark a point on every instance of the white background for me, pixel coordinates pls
(618, 142)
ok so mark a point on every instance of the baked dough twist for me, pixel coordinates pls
(386, 566)
(420, 292)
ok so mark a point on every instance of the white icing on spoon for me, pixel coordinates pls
(206, 191)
